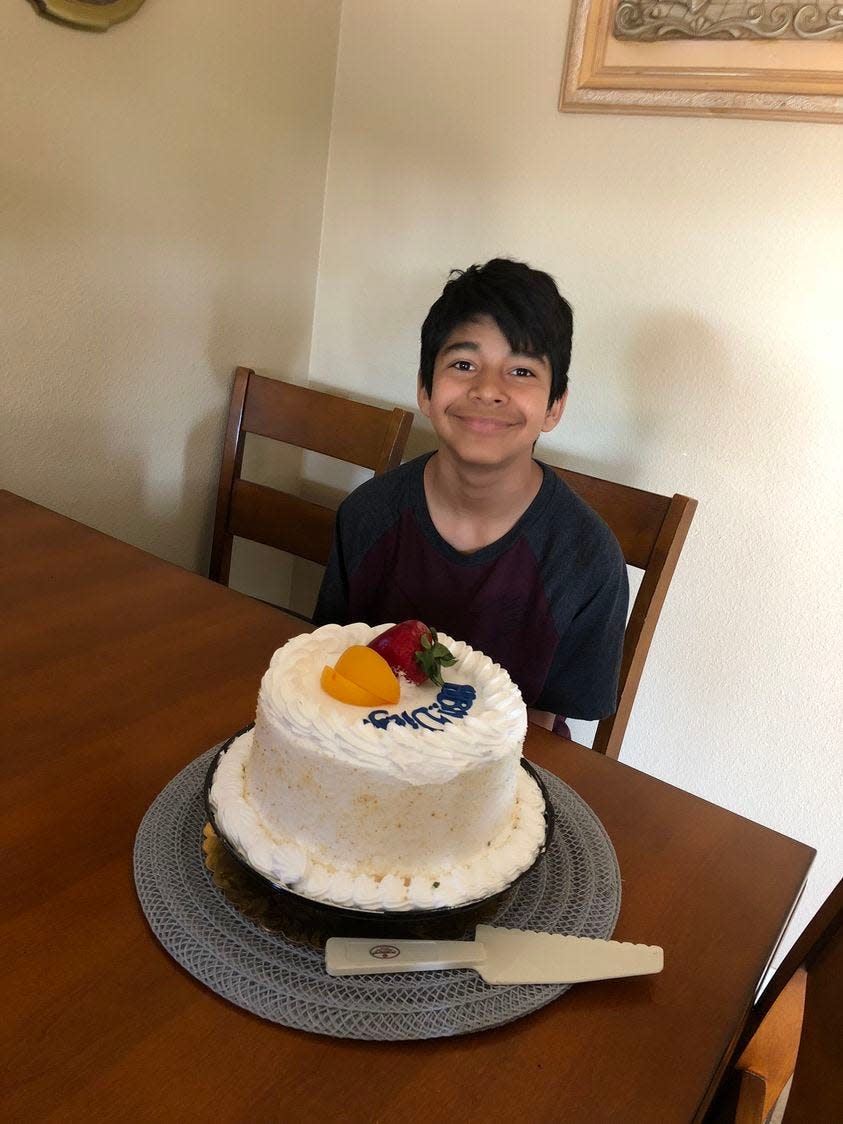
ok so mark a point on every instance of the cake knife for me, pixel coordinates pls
(500, 956)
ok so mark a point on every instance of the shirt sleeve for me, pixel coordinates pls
(583, 677)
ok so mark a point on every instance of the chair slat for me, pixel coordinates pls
(323, 423)
(281, 520)
(635, 516)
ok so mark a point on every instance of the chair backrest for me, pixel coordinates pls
(817, 1089)
(308, 419)
(812, 1021)
(651, 530)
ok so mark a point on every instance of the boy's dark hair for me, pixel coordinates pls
(524, 303)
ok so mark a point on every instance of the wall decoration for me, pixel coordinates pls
(92, 15)
(743, 58)
(645, 20)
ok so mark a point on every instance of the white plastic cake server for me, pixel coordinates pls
(500, 956)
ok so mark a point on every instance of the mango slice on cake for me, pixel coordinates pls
(361, 677)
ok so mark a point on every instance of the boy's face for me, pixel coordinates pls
(488, 405)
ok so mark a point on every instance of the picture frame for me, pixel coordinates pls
(87, 14)
(786, 79)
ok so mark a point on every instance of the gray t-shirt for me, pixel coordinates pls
(547, 601)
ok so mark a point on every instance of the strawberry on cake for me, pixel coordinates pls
(383, 772)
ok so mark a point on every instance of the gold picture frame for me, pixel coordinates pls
(87, 15)
(783, 79)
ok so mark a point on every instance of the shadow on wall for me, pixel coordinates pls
(203, 452)
(69, 455)
(681, 382)
(102, 427)
(672, 367)
(724, 424)
(672, 390)
(78, 466)
(118, 414)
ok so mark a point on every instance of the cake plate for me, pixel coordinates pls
(576, 889)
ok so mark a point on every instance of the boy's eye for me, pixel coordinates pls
(463, 365)
(523, 372)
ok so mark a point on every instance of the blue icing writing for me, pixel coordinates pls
(456, 699)
(427, 711)
(380, 719)
(453, 701)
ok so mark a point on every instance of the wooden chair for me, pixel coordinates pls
(794, 1030)
(651, 530)
(308, 419)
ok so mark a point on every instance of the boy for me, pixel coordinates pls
(478, 539)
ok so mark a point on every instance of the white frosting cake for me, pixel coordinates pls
(419, 805)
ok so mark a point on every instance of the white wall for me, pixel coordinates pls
(160, 212)
(704, 259)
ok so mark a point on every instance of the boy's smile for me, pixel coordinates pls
(488, 405)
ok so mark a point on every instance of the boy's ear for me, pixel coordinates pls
(555, 412)
(423, 398)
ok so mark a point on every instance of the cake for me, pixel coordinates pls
(415, 805)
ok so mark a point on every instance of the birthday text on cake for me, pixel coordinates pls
(454, 701)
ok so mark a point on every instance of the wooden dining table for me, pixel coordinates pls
(118, 670)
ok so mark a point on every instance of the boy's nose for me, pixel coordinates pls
(488, 387)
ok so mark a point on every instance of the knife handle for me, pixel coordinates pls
(358, 956)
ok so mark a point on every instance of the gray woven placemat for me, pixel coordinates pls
(575, 890)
